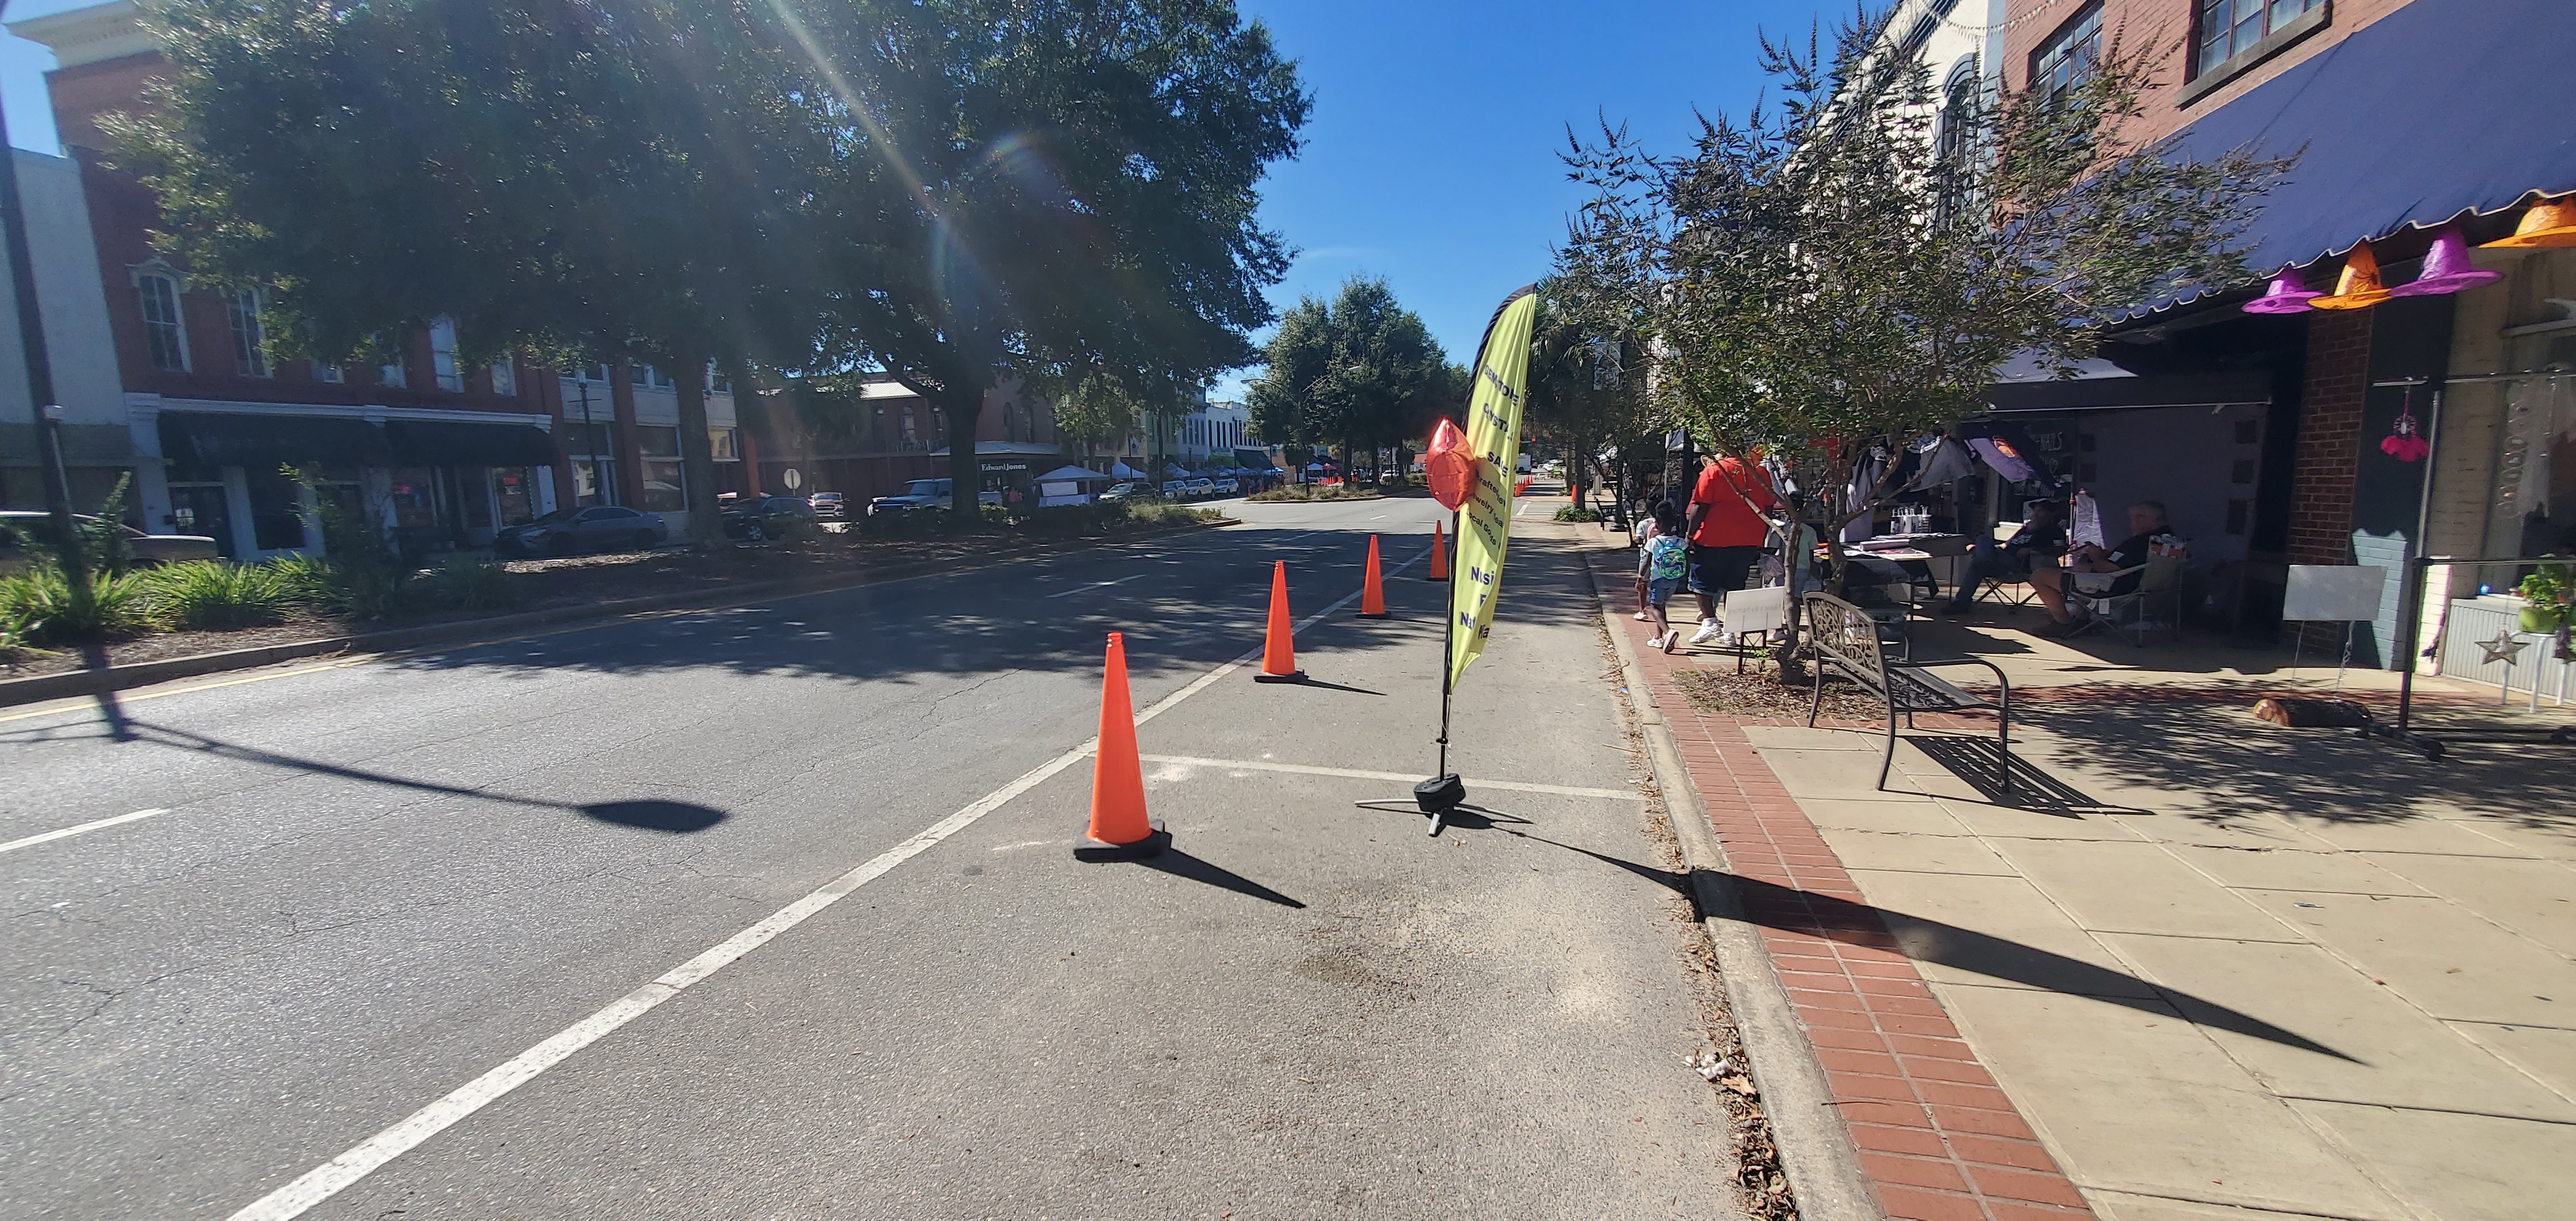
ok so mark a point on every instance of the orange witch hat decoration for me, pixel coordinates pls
(1439, 556)
(2549, 223)
(1372, 587)
(1279, 648)
(1119, 828)
(2359, 286)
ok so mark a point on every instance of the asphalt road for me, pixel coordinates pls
(369, 886)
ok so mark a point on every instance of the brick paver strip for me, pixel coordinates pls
(1938, 1141)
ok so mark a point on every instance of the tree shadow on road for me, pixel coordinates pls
(650, 814)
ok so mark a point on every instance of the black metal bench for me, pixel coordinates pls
(1846, 640)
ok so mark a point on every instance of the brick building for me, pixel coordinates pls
(443, 452)
(2264, 432)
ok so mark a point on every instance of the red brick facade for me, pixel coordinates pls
(2329, 456)
(2165, 26)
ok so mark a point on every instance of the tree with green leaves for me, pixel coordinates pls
(1362, 371)
(1820, 283)
(1059, 191)
(613, 179)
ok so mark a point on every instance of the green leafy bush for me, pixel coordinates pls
(40, 607)
(1315, 491)
(1576, 513)
(215, 595)
(303, 580)
(468, 585)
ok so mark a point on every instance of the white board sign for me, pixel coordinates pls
(2333, 593)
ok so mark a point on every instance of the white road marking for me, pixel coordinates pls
(1522, 507)
(67, 832)
(1473, 782)
(1094, 585)
(334, 1176)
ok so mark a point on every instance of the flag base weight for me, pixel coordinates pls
(1151, 846)
(1433, 798)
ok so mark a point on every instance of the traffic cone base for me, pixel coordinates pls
(1279, 647)
(1119, 828)
(1151, 846)
(1372, 588)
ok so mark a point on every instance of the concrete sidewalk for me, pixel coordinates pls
(2212, 968)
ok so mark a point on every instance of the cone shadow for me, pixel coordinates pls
(1180, 864)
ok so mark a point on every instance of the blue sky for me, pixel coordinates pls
(1431, 156)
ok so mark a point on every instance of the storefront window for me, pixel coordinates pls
(2534, 507)
(593, 482)
(415, 499)
(514, 493)
(720, 441)
(664, 491)
(276, 511)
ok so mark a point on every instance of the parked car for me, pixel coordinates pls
(924, 494)
(598, 528)
(830, 506)
(758, 518)
(1176, 489)
(1228, 487)
(1129, 491)
(1202, 487)
(37, 528)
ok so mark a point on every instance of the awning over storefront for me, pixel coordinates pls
(2439, 109)
(442, 443)
(2234, 387)
(265, 442)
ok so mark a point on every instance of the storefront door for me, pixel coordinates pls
(203, 508)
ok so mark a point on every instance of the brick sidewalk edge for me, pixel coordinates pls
(1881, 1109)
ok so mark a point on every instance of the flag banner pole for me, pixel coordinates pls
(1481, 527)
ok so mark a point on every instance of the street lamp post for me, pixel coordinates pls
(40, 366)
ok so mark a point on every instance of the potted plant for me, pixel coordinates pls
(2546, 595)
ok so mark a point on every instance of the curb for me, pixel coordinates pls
(1816, 1150)
(74, 683)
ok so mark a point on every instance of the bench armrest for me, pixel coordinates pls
(2002, 684)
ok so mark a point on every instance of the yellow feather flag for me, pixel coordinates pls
(1501, 378)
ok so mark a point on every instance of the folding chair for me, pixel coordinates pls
(2159, 581)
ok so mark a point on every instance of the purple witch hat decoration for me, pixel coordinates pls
(2446, 268)
(2287, 295)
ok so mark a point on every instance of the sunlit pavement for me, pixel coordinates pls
(370, 886)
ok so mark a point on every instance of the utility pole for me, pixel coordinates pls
(40, 365)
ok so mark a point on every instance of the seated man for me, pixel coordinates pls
(2037, 544)
(2146, 521)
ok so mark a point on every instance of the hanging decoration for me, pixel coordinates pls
(2288, 295)
(2446, 268)
(2549, 224)
(2359, 286)
(2405, 442)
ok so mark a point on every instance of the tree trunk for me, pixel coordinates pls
(965, 408)
(697, 454)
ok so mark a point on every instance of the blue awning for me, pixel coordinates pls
(2442, 109)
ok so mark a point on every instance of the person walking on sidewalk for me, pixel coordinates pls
(1727, 530)
(1653, 516)
(1662, 564)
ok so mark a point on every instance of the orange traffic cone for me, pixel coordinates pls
(1439, 556)
(1372, 590)
(1279, 649)
(1119, 828)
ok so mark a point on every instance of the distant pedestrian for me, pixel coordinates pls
(1653, 530)
(1664, 563)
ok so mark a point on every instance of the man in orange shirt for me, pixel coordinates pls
(1726, 530)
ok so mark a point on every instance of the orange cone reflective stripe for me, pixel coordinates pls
(1372, 588)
